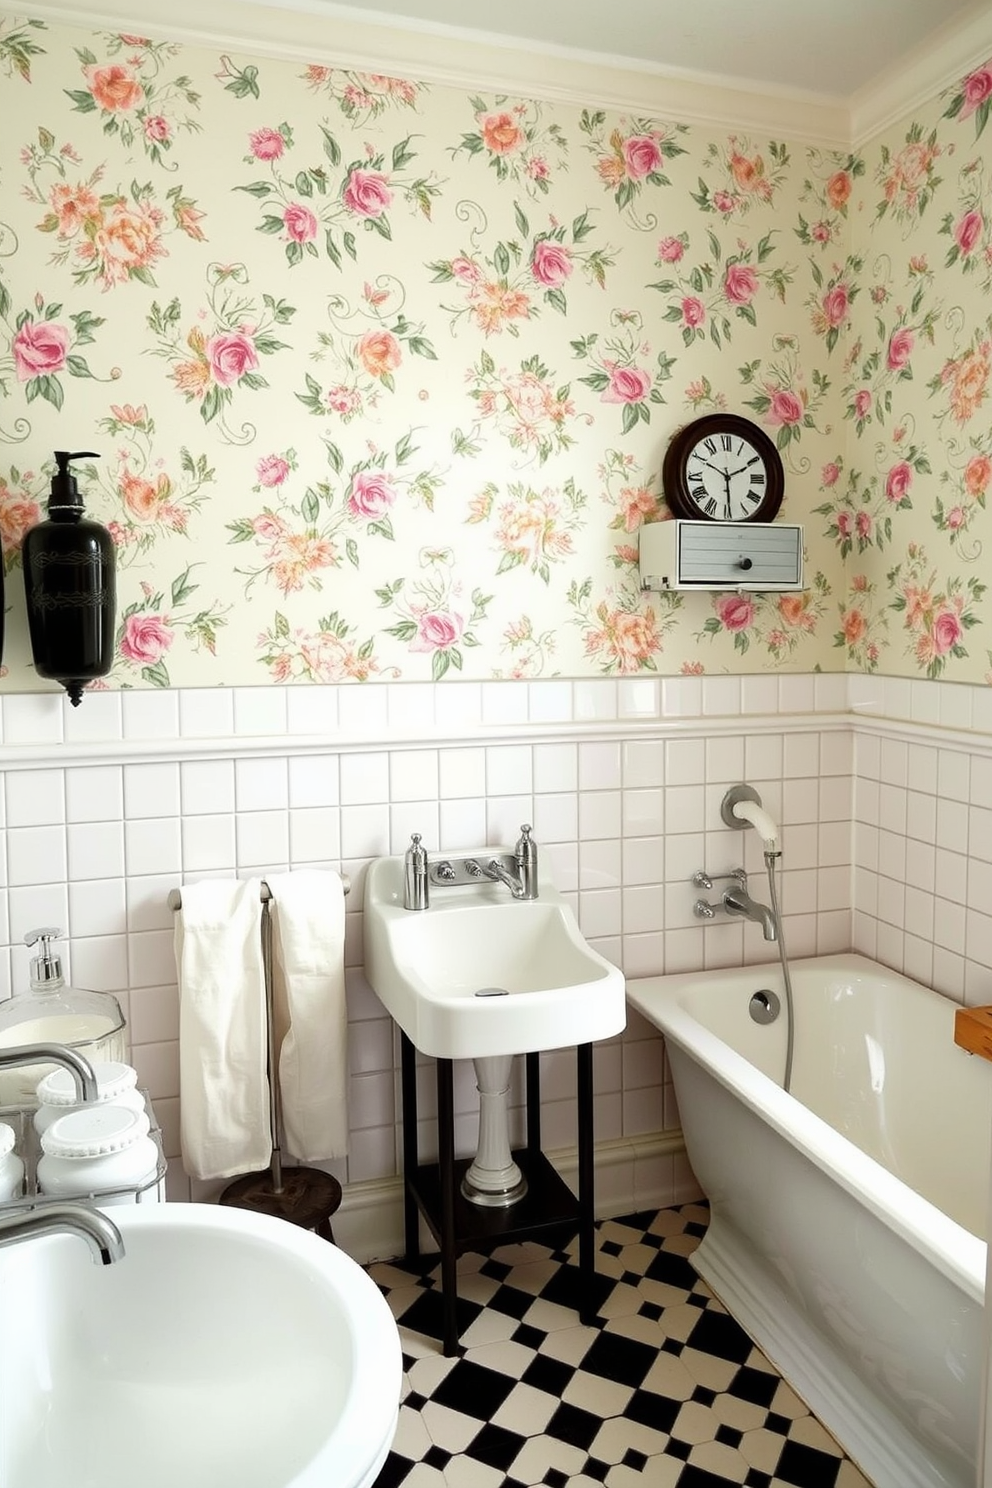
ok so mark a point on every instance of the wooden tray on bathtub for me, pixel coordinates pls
(973, 1030)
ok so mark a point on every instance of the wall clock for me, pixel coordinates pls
(723, 468)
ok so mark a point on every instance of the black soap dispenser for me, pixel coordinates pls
(70, 587)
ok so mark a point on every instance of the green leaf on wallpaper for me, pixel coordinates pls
(213, 402)
(403, 630)
(387, 595)
(257, 188)
(310, 507)
(271, 225)
(349, 245)
(598, 381)
(334, 456)
(351, 551)
(523, 226)
(556, 299)
(714, 243)
(157, 675)
(253, 380)
(379, 225)
(624, 194)
(294, 254)
(83, 322)
(47, 387)
(331, 147)
(82, 101)
(401, 154)
(242, 529)
(632, 415)
(513, 559)
(420, 346)
(440, 662)
(382, 528)
(76, 366)
(280, 625)
(244, 83)
(332, 248)
(182, 588)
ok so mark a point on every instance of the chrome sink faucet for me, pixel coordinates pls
(92, 1225)
(78, 1066)
(737, 901)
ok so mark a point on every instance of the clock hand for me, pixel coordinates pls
(742, 468)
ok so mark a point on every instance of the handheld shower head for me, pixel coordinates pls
(757, 817)
(741, 807)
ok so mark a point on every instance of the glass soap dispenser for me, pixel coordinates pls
(51, 1012)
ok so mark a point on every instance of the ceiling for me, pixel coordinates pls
(828, 47)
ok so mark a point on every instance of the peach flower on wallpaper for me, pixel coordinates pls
(532, 529)
(863, 632)
(329, 653)
(935, 618)
(516, 143)
(632, 155)
(525, 407)
(20, 509)
(365, 348)
(531, 651)
(909, 177)
(363, 96)
(964, 380)
(136, 99)
(745, 179)
(826, 194)
(624, 633)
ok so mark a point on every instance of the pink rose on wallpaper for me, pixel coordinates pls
(863, 525)
(835, 304)
(740, 284)
(465, 270)
(955, 518)
(231, 354)
(40, 347)
(670, 250)
(854, 626)
(724, 201)
(898, 482)
(371, 495)
(266, 144)
(734, 611)
(830, 474)
(845, 523)
(627, 385)
(146, 638)
(642, 155)
(968, 232)
(946, 631)
(785, 408)
(977, 474)
(862, 403)
(900, 346)
(437, 630)
(300, 222)
(343, 400)
(693, 311)
(157, 128)
(367, 193)
(550, 263)
(976, 88)
(821, 232)
(272, 470)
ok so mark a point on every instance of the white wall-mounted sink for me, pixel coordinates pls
(428, 965)
(224, 1350)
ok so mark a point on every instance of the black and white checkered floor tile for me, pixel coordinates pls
(666, 1389)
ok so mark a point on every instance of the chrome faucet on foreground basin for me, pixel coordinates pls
(92, 1225)
(517, 870)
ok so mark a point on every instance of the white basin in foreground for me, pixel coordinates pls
(427, 966)
(225, 1350)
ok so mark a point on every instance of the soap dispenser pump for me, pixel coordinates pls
(70, 587)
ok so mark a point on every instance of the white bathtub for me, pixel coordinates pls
(848, 1219)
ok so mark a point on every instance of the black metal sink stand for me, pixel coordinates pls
(548, 1211)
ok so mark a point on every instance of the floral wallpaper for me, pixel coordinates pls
(381, 374)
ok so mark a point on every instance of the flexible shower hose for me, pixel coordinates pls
(786, 976)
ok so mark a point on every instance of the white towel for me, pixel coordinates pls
(308, 943)
(224, 1088)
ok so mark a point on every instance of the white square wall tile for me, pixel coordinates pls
(643, 763)
(206, 713)
(94, 793)
(206, 787)
(408, 817)
(551, 702)
(556, 817)
(592, 699)
(643, 812)
(262, 839)
(685, 762)
(364, 778)
(313, 780)
(556, 767)
(461, 773)
(509, 770)
(152, 846)
(97, 908)
(599, 766)
(101, 721)
(410, 705)
(151, 790)
(413, 775)
(34, 798)
(261, 784)
(639, 697)
(208, 844)
(151, 715)
(461, 824)
(259, 711)
(311, 710)
(34, 718)
(599, 814)
(36, 855)
(314, 835)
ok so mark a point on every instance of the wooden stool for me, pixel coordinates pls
(309, 1197)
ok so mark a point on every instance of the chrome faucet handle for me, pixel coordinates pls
(704, 910)
(525, 854)
(416, 894)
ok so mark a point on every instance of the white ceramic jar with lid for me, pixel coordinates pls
(11, 1166)
(57, 1095)
(98, 1149)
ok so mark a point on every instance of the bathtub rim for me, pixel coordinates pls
(955, 1251)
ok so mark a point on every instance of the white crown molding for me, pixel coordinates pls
(941, 61)
(307, 31)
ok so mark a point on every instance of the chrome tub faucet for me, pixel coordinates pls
(737, 901)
